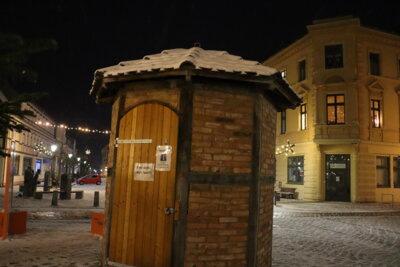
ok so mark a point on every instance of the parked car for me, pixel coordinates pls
(89, 179)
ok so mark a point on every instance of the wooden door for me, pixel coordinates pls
(141, 231)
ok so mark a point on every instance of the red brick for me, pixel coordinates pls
(196, 239)
(222, 157)
(228, 219)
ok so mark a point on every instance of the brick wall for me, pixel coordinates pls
(222, 132)
(264, 234)
(217, 225)
(268, 124)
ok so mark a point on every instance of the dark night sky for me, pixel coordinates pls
(96, 34)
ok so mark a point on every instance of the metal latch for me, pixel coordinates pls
(169, 211)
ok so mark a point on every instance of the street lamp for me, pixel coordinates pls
(53, 148)
(87, 152)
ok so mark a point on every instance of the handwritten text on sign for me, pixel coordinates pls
(144, 172)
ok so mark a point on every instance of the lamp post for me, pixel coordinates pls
(53, 149)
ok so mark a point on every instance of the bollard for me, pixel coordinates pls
(96, 199)
(54, 200)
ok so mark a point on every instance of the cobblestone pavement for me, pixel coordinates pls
(336, 241)
(51, 243)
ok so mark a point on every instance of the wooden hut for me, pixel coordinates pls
(192, 159)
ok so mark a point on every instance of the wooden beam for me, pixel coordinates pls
(183, 167)
(255, 183)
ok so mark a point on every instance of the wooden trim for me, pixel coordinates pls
(255, 183)
(125, 111)
(219, 178)
(108, 215)
(183, 167)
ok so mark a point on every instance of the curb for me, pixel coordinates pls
(333, 214)
(61, 214)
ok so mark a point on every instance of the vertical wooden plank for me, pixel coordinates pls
(122, 187)
(184, 152)
(116, 182)
(129, 196)
(150, 190)
(136, 199)
(140, 235)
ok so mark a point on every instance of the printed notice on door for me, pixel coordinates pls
(163, 158)
(144, 172)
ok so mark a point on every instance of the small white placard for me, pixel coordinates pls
(163, 158)
(337, 165)
(144, 172)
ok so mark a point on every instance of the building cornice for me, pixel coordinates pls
(379, 36)
(289, 51)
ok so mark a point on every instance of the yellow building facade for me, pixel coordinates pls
(346, 132)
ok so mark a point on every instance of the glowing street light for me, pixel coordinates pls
(53, 148)
(69, 155)
(87, 152)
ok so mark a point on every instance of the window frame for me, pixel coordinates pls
(333, 58)
(372, 63)
(336, 104)
(303, 112)
(302, 68)
(387, 168)
(378, 110)
(396, 168)
(283, 122)
(289, 166)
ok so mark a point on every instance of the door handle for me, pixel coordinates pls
(168, 211)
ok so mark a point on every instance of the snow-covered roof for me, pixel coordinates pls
(173, 59)
(194, 61)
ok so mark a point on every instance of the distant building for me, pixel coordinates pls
(346, 131)
(33, 148)
(104, 159)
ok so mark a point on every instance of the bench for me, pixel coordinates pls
(287, 192)
(39, 195)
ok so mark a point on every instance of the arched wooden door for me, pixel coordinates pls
(141, 229)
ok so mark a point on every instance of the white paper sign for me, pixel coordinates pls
(163, 158)
(144, 172)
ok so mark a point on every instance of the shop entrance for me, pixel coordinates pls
(337, 177)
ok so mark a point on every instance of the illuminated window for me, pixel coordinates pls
(296, 170)
(376, 113)
(335, 109)
(303, 117)
(283, 122)
(374, 64)
(382, 172)
(333, 56)
(302, 70)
